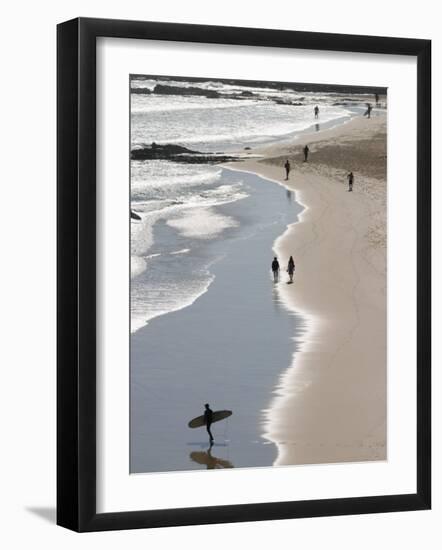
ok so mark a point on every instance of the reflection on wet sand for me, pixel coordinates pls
(317, 127)
(278, 304)
(212, 462)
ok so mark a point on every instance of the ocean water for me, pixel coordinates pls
(229, 348)
(188, 198)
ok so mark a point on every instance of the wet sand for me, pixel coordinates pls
(330, 405)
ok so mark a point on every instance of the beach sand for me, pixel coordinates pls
(330, 405)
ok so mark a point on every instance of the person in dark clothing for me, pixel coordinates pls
(376, 99)
(287, 169)
(368, 111)
(350, 178)
(208, 417)
(275, 269)
(291, 268)
(306, 152)
(316, 112)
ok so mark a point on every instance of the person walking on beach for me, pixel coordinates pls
(376, 99)
(316, 112)
(306, 152)
(275, 269)
(350, 178)
(291, 269)
(368, 111)
(287, 169)
(208, 418)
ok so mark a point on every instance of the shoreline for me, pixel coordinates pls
(344, 302)
(235, 365)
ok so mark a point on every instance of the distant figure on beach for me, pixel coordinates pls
(316, 112)
(306, 152)
(208, 417)
(368, 111)
(287, 169)
(350, 178)
(275, 269)
(376, 99)
(291, 269)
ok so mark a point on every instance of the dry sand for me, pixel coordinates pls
(330, 405)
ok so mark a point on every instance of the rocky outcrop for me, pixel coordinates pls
(277, 86)
(280, 101)
(164, 89)
(177, 153)
(144, 91)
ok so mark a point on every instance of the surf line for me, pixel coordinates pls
(304, 334)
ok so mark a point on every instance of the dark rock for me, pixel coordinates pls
(340, 90)
(144, 91)
(164, 89)
(177, 153)
(280, 101)
(160, 152)
(134, 216)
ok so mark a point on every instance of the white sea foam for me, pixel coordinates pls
(169, 103)
(263, 92)
(137, 265)
(206, 85)
(163, 297)
(183, 251)
(194, 208)
(158, 177)
(228, 123)
(202, 223)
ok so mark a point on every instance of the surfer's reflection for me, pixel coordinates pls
(289, 195)
(212, 462)
(317, 127)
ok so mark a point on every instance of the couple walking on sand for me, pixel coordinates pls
(276, 269)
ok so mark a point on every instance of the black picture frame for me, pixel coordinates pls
(77, 287)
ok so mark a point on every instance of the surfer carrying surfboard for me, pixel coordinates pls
(208, 417)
